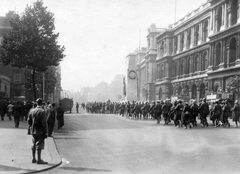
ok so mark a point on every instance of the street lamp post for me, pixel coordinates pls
(43, 86)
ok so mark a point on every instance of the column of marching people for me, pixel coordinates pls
(179, 113)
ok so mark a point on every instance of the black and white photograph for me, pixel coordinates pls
(120, 86)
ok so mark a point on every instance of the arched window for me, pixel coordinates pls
(194, 91)
(232, 51)
(204, 61)
(162, 49)
(183, 66)
(175, 44)
(196, 61)
(162, 71)
(218, 54)
(234, 11)
(202, 90)
(205, 30)
(174, 69)
(189, 38)
(219, 18)
(182, 41)
(196, 33)
(188, 64)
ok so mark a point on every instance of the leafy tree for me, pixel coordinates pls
(50, 80)
(32, 43)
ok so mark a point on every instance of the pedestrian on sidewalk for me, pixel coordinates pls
(77, 106)
(17, 113)
(60, 116)
(38, 128)
(2, 109)
(51, 118)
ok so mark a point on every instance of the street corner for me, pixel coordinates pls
(55, 158)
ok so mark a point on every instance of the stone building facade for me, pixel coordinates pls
(196, 56)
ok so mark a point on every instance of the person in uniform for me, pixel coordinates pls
(38, 129)
(17, 113)
(204, 111)
(226, 111)
(178, 114)
(186, 116)
(236, 113)
(217, 111)
(194, 108)
(158, 112)
(165, 111)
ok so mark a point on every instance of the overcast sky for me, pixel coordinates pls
(99, 34)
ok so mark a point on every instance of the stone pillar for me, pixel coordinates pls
(178, 44)
(173, 45)
(229, 17)
(150, 72)
(223, 17)
(177, 68)
(167, 70)
(223, 54)
(210, 23)
(214, 21)
(189, 89)
(191, 65)
(167, 47)
(208, 31)
(200, 62)
(185, 40)
(200, 34)
(228, 55)
(192, 37)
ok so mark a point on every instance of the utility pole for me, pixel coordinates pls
(175, 11)
(43, 86)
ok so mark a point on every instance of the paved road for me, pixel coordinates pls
(112, 144)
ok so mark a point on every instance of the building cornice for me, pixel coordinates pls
(192, 50)
(225, 33)
(231, 71)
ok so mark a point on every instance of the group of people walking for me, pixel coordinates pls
(182, 114)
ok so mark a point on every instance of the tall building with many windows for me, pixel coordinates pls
(197, 56)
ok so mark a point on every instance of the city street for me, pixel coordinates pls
(96, 143)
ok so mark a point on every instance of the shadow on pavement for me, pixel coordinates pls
(10, 168)
(80, 169)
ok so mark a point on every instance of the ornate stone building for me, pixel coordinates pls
(196, 56)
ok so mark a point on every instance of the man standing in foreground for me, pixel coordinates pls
(38, 129)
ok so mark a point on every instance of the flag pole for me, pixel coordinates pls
(175, 11)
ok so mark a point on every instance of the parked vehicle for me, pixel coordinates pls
(67, 104)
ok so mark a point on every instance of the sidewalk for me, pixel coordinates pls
(15, 150)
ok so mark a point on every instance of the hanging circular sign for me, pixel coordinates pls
(132, 74)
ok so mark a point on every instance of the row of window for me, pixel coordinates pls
(199, 33)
